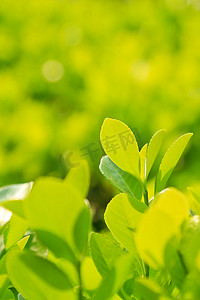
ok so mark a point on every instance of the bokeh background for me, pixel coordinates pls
(66, 65)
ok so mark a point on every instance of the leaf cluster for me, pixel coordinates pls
(150, 251)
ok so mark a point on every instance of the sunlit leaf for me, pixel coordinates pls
(120, 145)
(173, 203)
(143, 153)
(170, 160)
(22, 243)
(123, 181)
(90, 276)
(54, 206)
(153, 233)
(122, 216)
(153, 149)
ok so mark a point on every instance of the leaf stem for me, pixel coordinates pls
(146, 200)
(80, 280)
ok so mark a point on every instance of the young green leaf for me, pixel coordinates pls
(120, 145)
(54, 206)
(143, 153)
(45, 270)
(153, 149)
(154, 231)
(105, 251)
(37, 278)
(16, 229)
(82, 229)
(4, 284)
(174, 203)
(22, 243)
(161, 222)
(91, 278)
(57, 245)
(19, 246)
(170, 160)
(112, 283)
(122, 216)
(79, 178)
(123, 181)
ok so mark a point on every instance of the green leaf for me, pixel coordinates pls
(146, 288)
(105, 251)
(37, 278)
(8, 295)
(175, 264)
(89, 274)
(195, 200)
(122, 216)
(191, 287)
(22, 243)
(57, 245)
(143, 153)
(174, 203)
(79, 178)
(4, 284)
(20, 297)
(153, 149)
(154, 231)
(190, 242)
(45, 270)
(123, 181)
(19, 245)
(16, 229)
(11, 197)
(82, 229)
(120, 145)
(114, 280)
(54, 206)
(159, 224)
(170, 160)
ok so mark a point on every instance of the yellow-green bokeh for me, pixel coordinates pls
(66, 65)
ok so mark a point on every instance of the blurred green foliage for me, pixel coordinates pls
(66, 65)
